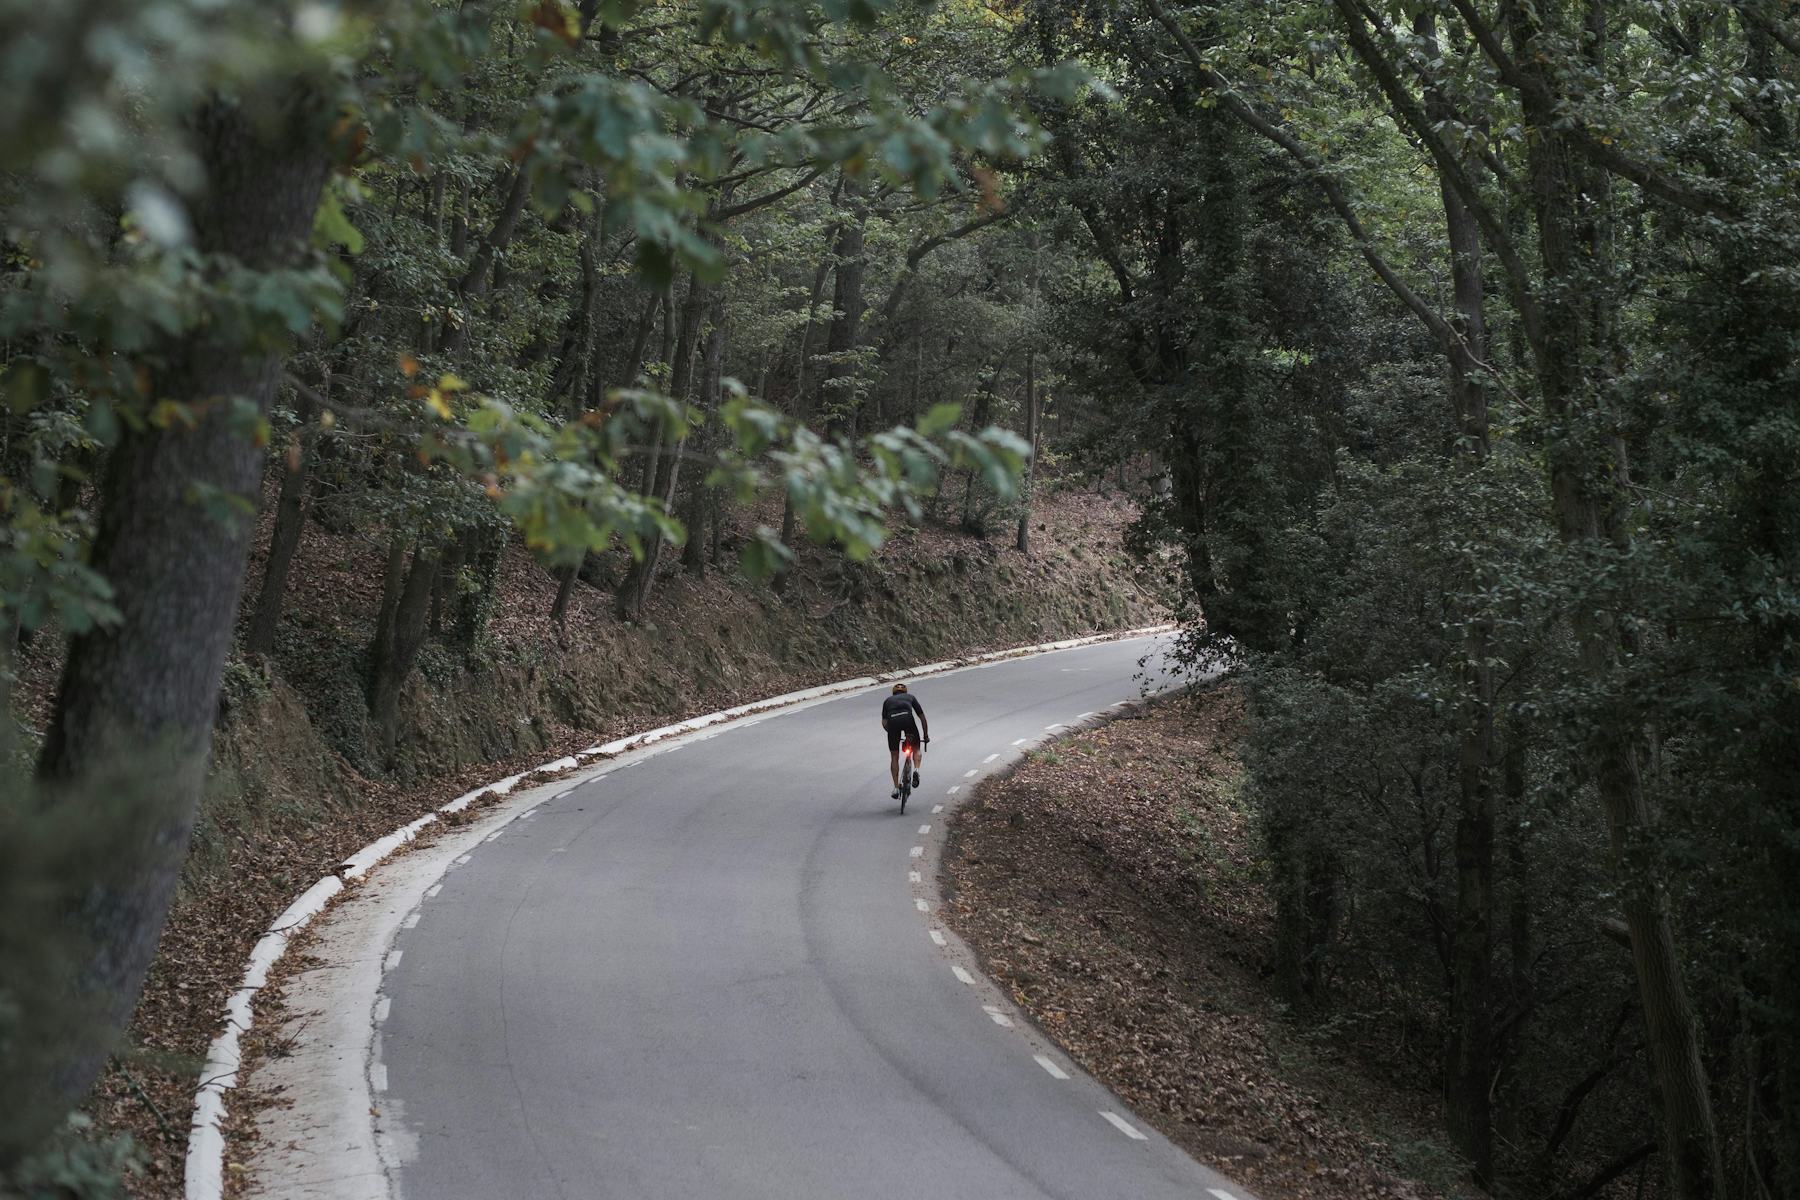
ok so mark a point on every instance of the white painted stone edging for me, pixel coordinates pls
(205, 1167)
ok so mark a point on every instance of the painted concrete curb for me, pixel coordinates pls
(204, 1174)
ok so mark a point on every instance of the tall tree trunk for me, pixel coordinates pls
(575, 353)
(837, 400)
(134, 712)
(1470, 1054)
(1585, 481)
(1032, 416)
(780, 582)
(396, 645)
(974, 521)
(474, 282)
(565, 588)
(703, 499)
(663, 471)
(640, 340)
(290, 522)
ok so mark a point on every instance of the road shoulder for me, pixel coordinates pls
(1110, 886)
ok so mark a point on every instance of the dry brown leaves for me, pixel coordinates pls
(1111, 885)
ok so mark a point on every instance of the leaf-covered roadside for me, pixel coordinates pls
(1112, 886)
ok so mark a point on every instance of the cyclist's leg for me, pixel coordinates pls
(893, 738)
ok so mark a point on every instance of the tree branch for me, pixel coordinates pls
(756, 202)
(1334, 190)
(1582, 139)
(1415, 118)
(918, 253)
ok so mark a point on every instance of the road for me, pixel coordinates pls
(715, 973)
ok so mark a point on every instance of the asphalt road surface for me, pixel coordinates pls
(716, 974)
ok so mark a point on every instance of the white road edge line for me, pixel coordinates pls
(968, 774)
(1000, 1018)
(936, 809)
(378, 1076)
(955, 789)
(434, 889)
(392, 961)
(922, 905)
(1125, 1127)
(383, 1007)
(937, 935)
(914, 877)
(963, 975)
(411, 922)
(1049, 1065)
(204, 1165)
(1222, 1194)
(918, 851)
(924, 829)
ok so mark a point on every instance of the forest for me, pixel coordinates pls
(1451, 349)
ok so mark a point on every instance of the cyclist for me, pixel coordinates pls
(897, 713)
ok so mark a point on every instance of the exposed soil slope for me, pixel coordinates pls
(1111, 885)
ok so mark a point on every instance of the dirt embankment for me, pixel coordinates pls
(1112, 885)
(295, 788)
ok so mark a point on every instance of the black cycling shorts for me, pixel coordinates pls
(895, 729)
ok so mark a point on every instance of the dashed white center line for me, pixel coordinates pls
(378, 1076)
(914, 877)
(411, 922)
(924, 829)
(463, 858)
(434, 889)
(918, 852)
(990, 758)
(936, 809)
(922, 906)
(963, 975)
(937, 935)
(1125, 1127)
(382, 1007)
(393, 960)
(999, 1018)
(1049, 1064)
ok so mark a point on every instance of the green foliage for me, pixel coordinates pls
(76, 1165)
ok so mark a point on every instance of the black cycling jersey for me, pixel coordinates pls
(897, 713)
(902, 705)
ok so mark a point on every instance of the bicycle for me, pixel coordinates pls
(908, 764)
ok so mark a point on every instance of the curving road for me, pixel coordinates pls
(713, 973)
